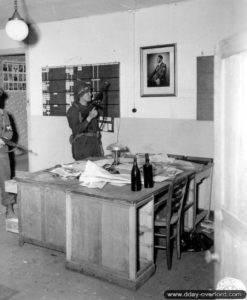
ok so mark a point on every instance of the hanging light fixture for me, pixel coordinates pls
(16, 28)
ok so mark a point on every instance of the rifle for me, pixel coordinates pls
(97, 100)
(16, 146)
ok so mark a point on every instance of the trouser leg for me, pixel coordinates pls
(6, 198)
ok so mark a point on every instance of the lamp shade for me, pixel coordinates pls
(117, 147)
(16, 29)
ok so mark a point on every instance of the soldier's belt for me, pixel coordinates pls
(92, 134)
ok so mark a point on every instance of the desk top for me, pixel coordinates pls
(109, 192)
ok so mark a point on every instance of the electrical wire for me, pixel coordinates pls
(118, 128)
(134, 71)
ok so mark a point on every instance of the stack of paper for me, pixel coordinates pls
(95, 175)
(168, 174)
(161, 158)
(65, 172)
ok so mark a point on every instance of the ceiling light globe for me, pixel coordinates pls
(16, 29)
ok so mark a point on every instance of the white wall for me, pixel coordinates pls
(7, 43)
(160, 123)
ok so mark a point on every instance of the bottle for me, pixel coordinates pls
(148, 173)
(136, 184)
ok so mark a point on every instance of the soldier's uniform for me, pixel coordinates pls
(6, 132)
(86, 137)
(158, 77)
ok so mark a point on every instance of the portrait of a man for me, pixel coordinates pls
(158, 69)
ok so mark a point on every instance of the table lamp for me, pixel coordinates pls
(116, 149)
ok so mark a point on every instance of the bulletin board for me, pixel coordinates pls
(59, 88)
(14, 75)
(205, 88)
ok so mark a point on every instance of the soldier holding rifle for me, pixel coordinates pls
(6, 133)
(83, 121)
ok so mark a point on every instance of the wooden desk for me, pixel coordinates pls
(106, 233)
(110, 233)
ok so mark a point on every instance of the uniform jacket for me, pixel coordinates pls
(86, 138)
(5, 126)
(159, 75)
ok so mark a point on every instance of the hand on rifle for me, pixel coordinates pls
(92, 114)
(1, 142)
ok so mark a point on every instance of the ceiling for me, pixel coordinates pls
(39, 11)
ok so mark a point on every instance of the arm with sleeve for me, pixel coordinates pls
(75, 123)
(5, 126)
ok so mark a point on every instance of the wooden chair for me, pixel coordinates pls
(167, 218)
(197, 178)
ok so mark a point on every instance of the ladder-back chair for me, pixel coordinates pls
(167, 218)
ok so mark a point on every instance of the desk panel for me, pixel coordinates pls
(109, 239)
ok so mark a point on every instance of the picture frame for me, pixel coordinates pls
(158, 70)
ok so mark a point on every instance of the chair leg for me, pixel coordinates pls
(168, 250)
(155, 255)
(178, 241)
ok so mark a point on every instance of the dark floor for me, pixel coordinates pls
(33, 272)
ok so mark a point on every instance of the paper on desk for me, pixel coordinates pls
(94, 173)
(125, 166)
(102, 162)
(186, 165)
(169, 173)
(161, 157)
(94, 185)
(65, 172)
(78, 166)
(160, 178)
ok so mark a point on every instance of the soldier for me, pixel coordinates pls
(7, 199)
(83, 121)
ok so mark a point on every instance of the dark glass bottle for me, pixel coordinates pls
(136, 184)
(148, 173)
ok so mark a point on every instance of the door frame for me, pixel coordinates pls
(225, 218)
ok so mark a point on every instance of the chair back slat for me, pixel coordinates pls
(161, 201)
(176, 196)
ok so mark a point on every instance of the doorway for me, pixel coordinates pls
(13, 81)
(230, 162)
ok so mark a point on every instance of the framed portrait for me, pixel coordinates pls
(158, 71)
